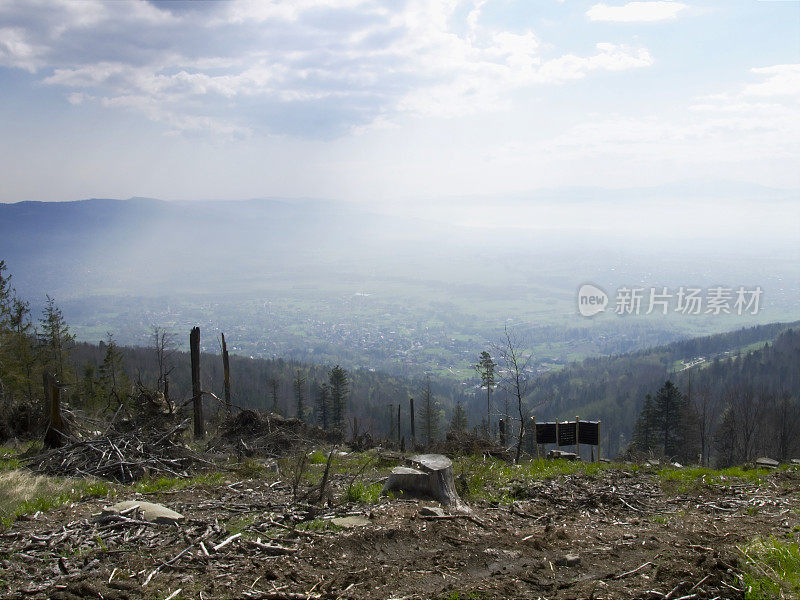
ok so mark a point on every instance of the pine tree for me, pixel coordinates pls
(113, 380)
(663, 424)
(670, 406)
(339, 384)
(274, 386)
(323, 394)
(645, 432)
(485, 368)
(299, 384)
(429, 416)
(55, 338)
(459, 421)
(20, 344)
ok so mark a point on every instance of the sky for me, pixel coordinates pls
(393, 101)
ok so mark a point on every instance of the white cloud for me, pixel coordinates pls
(634, 12)
(17, 51)
(782, 80)
(316, 68)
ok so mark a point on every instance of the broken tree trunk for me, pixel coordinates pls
(431, 476)
(54, 436)
(226, 366)
(197, 394)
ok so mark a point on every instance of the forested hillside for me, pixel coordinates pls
(614, 389)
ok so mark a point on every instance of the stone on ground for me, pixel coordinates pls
(148, 511)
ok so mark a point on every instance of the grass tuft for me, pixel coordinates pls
(689, 478)
(368, 494)
(772, 569)
(22, 493)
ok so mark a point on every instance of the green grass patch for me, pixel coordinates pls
(317, 457)
(239, 523)
(22, 493)
(8, 460)
(689, 478)
(359, 492)
(249, 469)
(772, 569)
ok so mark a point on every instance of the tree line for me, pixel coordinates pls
(730, 412)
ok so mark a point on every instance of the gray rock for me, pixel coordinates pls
(154, 513)
(767, 463)
(568, 560)
(431, 511)
(350, 522)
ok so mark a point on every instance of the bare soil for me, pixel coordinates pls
(633, 537)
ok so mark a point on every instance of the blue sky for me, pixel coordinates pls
(385, 101)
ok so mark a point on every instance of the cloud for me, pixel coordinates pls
(311, 68)
(636, 12)
(782, 80)
(17, 51)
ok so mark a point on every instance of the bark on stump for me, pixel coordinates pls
(432, 476)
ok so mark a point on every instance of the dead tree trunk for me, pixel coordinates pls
(226, 366)
(56, 427)
(197, 394)
(399, 435)
(413, 432)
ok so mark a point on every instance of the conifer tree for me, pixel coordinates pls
(113, 380)
(459, 421)
(323, 393)
(55, 338)
(339, 384)
(485, 368)
(429, 416)
(299, 384)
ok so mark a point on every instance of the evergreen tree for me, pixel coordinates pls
(429, 415)
(299, 384)
(55, 338)
(323, 393)
(485, 368)
(459, 421)
(663, 424)
(113, 380)
(645, 432)
(670, 407)
(274, 386)
(339, 384)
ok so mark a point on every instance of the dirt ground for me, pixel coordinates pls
(632, 537)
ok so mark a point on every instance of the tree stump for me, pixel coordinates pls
(432, 477)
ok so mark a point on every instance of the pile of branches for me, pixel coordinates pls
(462, 443)
(121, 456)
(254, 433)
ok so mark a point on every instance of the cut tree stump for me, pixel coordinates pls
(431, 477)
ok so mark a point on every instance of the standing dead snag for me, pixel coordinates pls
(197, 393)
(56, 426)
(516, 362)
(431, 475)
(226, 366)
(413, 430)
